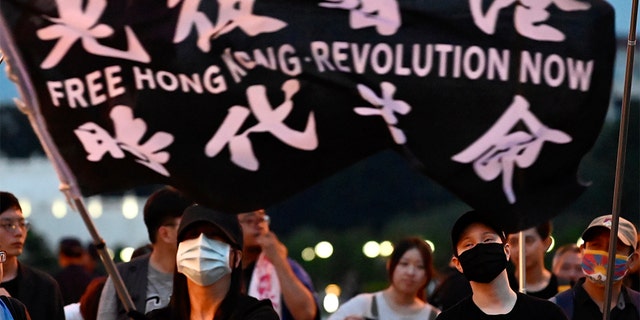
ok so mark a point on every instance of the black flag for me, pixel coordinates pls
(242, 103)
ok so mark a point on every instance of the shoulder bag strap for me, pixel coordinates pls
(374, 306)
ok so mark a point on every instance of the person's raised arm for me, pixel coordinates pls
(299, 300)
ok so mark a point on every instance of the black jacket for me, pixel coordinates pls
(17, 308)
(40, 293)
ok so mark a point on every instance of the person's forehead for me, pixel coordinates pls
(11, 213)
(601, 236)
(255, 213)
(598, 235)
(570, 256)
(531, 232)
(477, 229)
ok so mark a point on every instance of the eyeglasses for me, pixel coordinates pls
(255, 219)
(13, 225)
(3, 256)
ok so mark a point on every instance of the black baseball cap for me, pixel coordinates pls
(226, 222)
(468, 219)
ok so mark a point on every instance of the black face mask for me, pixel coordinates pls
(484, 262)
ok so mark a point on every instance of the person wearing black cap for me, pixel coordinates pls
(207, 284)
(481, 254)
(586, 299)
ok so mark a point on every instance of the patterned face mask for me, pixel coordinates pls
(594, 265)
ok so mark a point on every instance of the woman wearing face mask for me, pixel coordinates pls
(410, 270)
(208, 278)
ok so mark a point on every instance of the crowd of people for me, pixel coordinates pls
(206, 264)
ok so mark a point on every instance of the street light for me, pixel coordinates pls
(324, 249)
(371, 249)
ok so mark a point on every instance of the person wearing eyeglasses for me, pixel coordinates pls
(269, 273)
(10, 308)
(38, 290)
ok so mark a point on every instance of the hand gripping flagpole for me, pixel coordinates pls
(68, 186)
(69, 189)
(622, 142)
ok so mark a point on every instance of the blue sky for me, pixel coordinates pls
(623, 18)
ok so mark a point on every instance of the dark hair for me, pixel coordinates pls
(401, 248)
(469, 218)
(142, 250)
(8, 201)
(71, 247)
(180, 304)
(90, 299)
(162, 206)
(544, 230)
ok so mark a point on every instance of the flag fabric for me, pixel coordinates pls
(243, 103)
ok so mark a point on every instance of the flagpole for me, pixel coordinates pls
(619, 177)
(522, 261)
(75, 201)
(68, 186)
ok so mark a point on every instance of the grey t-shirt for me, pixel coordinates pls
(159, 288)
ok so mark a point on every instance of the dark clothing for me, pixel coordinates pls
(73, 281)
(247, 308)
(134, 276)
(584, 308)
(451, 290)
(16, 308)
(526, 308)
(38, 291)
(549, 291)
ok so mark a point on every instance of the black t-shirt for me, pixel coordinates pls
(549, 291)
(585, 309)
(12, 285)
(526, 308)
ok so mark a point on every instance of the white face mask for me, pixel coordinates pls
(203, 260)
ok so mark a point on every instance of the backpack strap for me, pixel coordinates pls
(374, 306)
(9, 305)
(565, 301)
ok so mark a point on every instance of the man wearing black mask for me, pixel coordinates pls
(481, 254)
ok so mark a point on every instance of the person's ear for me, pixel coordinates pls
(633, 263)
(547, 243)
(507, 250)
(456, 263)
(238, 258)
(163, 234)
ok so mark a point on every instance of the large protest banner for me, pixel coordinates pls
(242, 103)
